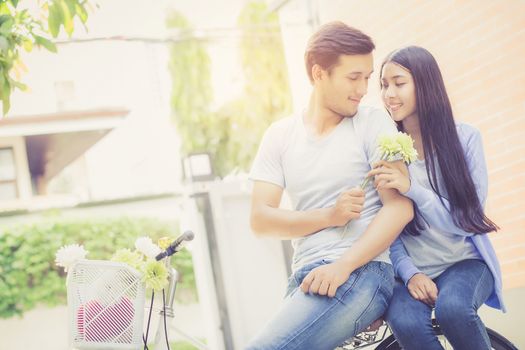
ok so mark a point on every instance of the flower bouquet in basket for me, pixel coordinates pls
(106, 298)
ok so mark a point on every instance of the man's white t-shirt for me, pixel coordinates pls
(314, 172)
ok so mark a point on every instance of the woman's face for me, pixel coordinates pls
(398, 91)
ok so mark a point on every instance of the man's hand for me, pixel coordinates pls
(325, 279)
(422, 288)
(348, 206)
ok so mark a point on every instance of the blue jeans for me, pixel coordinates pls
(317, 322)
(462, 289)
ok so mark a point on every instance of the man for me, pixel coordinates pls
(342, 279)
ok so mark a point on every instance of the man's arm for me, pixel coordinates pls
(397, 211)
(267, 219)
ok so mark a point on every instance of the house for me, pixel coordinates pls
(35, 149)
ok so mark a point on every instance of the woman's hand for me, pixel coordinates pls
(325, 279)
(422, 288)
(390, 175)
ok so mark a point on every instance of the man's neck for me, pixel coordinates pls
(319, 120)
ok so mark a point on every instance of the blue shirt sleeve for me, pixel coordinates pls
(428, 203)
(401, 261)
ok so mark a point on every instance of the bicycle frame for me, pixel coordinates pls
(166, 315)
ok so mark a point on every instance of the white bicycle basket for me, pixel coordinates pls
(106, 305)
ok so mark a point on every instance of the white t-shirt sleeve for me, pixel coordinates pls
(378, 123)
(267, 165)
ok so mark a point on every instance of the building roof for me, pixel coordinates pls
(61, 122)
(55, 140)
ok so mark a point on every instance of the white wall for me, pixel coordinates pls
(254, 269)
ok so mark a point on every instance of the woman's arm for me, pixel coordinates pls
(419, 285)
(403, 265)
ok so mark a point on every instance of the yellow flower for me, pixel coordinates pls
(155, 275)
(388, 146)
(164, 242)
(406, 147)
(399, 146)
(133, 259)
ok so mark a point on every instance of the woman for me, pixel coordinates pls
(444, 257)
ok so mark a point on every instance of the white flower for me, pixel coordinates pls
(146, 246)
(69, 254)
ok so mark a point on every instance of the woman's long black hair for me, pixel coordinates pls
(441, 143)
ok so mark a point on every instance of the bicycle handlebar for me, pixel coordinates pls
(186, 236)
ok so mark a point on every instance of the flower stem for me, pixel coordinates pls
(365, 182)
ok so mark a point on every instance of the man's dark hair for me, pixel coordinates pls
(332, 40)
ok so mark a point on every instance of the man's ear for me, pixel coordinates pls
(317, 72)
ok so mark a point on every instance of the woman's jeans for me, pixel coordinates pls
(462, 289)
(311, 321)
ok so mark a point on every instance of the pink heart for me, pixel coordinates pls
(96, 323)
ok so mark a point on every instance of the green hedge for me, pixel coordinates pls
(28, 275)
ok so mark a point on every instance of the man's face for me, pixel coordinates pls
(343, 87)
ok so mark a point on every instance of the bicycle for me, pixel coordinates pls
(106, 305)
(367, 339)
(106, 310)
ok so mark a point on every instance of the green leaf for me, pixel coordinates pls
(27, 45)
(6, 104)
(22, 15)
(4, 44)
(55, 19)
(67, 17)
(7, 26)
(19, 85)
(4, 9)
(71, 4)
(81, 12)
(5, 17)
(14, 2)
(45, 43)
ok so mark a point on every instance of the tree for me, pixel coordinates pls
(266, 95)
(20, 29)
(231, 133)
(192, 95)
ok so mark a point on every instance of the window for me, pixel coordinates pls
(8, 183)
